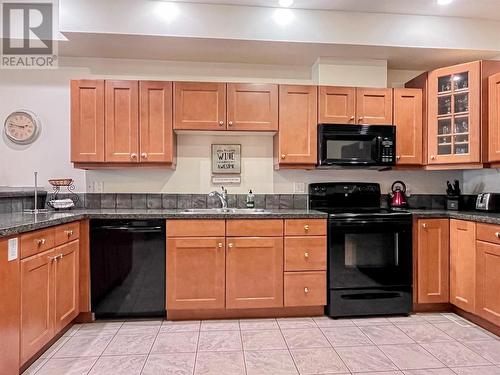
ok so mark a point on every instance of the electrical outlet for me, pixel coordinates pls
(299, 187)
(98, 187)
(90, 187)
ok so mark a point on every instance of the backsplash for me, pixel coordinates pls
(185, 201)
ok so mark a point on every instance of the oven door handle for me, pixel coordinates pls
(396, 249)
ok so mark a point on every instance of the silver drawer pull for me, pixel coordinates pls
(306, 290)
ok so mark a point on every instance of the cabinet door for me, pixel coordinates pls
(254, 272)
(66, 279)
(122, 121)
(199, 106)
(195, 273)
(252, 106)
(433, 261)
(408, 121)
(297, 136)
(488, 281)
(337, 105)
(374, 106)
(463, 264)
(454, 115)
(156, 133)
(10, 310)
(494, 118)
(37, 302)
(87, 121)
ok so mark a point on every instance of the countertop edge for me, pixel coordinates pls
(66, 217)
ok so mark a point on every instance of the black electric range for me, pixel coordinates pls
(369, 250)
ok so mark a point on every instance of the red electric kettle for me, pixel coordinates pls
(398, 197)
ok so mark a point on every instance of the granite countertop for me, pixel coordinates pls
(10, 192)
(15, 223)
(477, 216)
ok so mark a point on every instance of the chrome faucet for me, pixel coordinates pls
(222, 196)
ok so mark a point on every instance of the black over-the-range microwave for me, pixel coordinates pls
(356, 145)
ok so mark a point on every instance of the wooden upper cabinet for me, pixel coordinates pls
(37, 301)
(494, 118)
(463, 264)
(252, 107)
(454, 115)
(66, 284)
(337, 105)
(156, 132)
(433, 261)
(122, 121)
(195, 273)
(409, 127)
(254, 272)
(488, 281)
(87, 121)
(296, 141)
(199, 106)
(373, 106)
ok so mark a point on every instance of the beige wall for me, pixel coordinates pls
(47, 94)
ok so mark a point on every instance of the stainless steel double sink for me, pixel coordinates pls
(252, 211)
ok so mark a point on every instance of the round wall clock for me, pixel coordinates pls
(22, 127)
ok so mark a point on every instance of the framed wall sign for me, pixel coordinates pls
(226, 159)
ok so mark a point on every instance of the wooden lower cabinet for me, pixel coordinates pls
(463, 264)
(254, 272)
(66, 279)
(10, 310)
(195, 273)
(432, 260)
(305, 288)
(488, 281)
(243, 266)
(37, 303)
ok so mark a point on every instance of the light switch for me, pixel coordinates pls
(12, 252)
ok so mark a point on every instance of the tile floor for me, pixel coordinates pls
(434, 344)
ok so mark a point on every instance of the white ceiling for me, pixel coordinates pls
(255, 52)
(488, 9)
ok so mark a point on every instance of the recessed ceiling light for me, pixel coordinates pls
(283, 17)
(167, 11)
(286, 3)
(444, 2)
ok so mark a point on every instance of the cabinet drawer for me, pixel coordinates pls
(305, 288)
(35, 242)
(305, 254)
(67, 232)
(488, 233)
(305, 227)
(254, 228)
(196, 228)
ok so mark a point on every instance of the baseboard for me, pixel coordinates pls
(85, 317)
(282, 312)
(491, 327)
(432, 307)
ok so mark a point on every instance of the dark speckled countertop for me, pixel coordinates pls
(15, 223)
(477, 216)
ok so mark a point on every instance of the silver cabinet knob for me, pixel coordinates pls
(424, 225)
(133, 156)
(352, 118)
(41, 242)
(433, 157)
(221, 123)
(306, 290)
(497, 234)
(398, 157)
(144, 155)
(230, 123)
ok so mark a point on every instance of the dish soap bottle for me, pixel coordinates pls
(250, 199)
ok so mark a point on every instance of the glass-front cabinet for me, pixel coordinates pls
(454, 115)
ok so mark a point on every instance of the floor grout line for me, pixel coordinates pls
(151, 348)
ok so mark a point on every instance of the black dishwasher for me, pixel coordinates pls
(127, 268)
